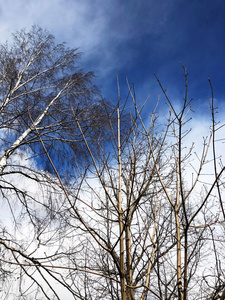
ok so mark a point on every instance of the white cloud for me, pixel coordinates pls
(101, 29)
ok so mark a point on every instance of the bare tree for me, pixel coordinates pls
(157, 229)
(41, 79)
(134, 223)
(41, 88)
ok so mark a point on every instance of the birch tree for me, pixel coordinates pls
(134, 223)
(41, 89)
(41, 80)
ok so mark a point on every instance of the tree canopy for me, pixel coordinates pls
(43, 91)
(142, 218)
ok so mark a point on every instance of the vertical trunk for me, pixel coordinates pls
(147, 281)
(185, 263)
(176, 212)
(120, 210)
(179, 273)
(181, 192)
(129, 275)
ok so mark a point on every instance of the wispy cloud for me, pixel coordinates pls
(103, 30)
(131, 38)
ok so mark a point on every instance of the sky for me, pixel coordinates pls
(135, 39)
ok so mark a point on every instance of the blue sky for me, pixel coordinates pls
(134, 39)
